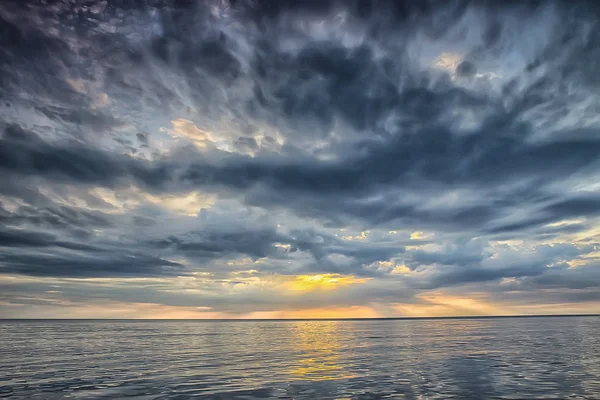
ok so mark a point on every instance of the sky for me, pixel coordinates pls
(299, 159)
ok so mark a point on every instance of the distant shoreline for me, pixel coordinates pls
(471, 317)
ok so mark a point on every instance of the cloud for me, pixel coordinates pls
(170, 139)
(87, 265)
(183, 128)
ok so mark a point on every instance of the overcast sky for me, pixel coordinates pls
(215, 159)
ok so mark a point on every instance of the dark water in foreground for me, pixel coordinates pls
(516, 358)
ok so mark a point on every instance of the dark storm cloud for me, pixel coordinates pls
(577, 206)
(88, 266)
(473, 261)
(73, 249)
(323, 248)
(202, 246)
(32, 50)
(63, 241)
(61, 217)
(25, 153)
(34, 238)
(143, 139)
(334, 112)
(83, 118)
(564, 278)
(28, 239)
(257, 244)
(323, 82)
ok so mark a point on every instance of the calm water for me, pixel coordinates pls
(520, 358)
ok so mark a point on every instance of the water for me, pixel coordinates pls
(514, 358)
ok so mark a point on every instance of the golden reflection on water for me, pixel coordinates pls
(320, 348)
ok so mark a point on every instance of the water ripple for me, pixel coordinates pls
(550, 358)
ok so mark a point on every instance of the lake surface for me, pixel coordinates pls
(504, 358)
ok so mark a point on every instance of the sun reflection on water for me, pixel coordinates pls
(320, 348)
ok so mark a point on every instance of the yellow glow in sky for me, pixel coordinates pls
(362, 236)
(418, 235)
(307, 283)
(188, 204)
(448, 61)
(185, 129)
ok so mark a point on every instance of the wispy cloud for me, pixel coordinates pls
(219, 159)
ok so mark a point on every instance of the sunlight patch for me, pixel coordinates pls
(186, 129)
(363, 235)
(307, 283)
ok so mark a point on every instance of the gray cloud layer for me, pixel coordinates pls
(474, 121)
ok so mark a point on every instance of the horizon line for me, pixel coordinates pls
(311, 319)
